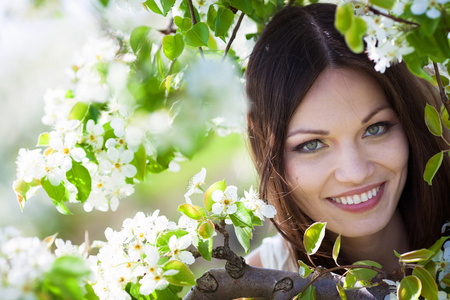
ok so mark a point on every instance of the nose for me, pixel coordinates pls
(353, 165)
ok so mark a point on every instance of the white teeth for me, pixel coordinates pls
(357, 199)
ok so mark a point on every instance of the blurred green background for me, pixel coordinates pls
(38, 39)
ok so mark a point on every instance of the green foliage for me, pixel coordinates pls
(184, 275)
(79, 176)
(336, 249)
(244, 235)
(79, 111)
(223, 22)
(173, 45)
(44, 139)
(409, 288)
(354, 35)
(344, 17)
(308, 294)
(207, 200)
(198, 35)
(313, 237)
(304, 270)
(59, 194)
(429, 286)
(433, 120)
(432, 166)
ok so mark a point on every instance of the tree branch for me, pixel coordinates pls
(377, 12)
(272, 284)
(233, 35)
(194, 21)
(444, 97)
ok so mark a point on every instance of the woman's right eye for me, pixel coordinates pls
(310, 146)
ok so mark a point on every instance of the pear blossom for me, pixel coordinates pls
(57, 106)
(66, 248)
(94, 134)
(54, 173)
(117, 162)
(133, 5)
(118, 189)
(225, 201)
(194, 185)
(30, 165)
(429, 7)
(97, 198)
(178, 247)
(258, 206)
(65, 145)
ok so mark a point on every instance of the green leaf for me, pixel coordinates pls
(415, 63)
(309, 294)
(140, 162)
(70, 266)
(198, 36)
(211, 17)
(432, 120)
(304, 270)
(190, 211)
(416, 256)
(206, 230)
(169, 293)
(167, 5)
(24, 189)
(207, 201)
(429, 286)
(354, 35)
(241, 218)
(79, 176)
(44, 139)
(445, 117)
(343, 17)
(173, 45)
(138, 37)
(349, 281)
(336, 249)
(223, 22)
(244, 235)
(57, 193)
(313, 237)
(341, 291)
(432, 167)
(151, 4)
(184, 275)
(205, 248)
(387, 4)
(79, 111)
(409, 288)
(362, 274)
(245, 6)
(104, 2)
(183, 23)
(446, 280)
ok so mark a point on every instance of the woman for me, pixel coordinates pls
(335, 141)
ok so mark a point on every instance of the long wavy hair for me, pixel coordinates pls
(298, 44)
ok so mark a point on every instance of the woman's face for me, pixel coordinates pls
(346, 154)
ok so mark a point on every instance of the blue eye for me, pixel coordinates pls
(310, 146)
(377, 129)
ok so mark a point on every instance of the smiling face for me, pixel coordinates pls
(346, 154)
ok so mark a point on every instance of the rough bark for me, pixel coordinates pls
(271, 284)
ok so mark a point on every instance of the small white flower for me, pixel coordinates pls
(94, 134)
(194, 185)
(30, 165)
(178, 249)
(66, 147)
(118, 163)
(430, 7)
(258, 206)
(133, 5)
(225, 201)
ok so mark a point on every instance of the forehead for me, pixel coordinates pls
(339, 94)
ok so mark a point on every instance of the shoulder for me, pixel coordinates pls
(254, 258)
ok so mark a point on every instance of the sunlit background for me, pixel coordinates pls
(38, 39)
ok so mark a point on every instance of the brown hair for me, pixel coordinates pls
(296, 46)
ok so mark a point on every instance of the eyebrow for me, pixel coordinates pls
(326, 132)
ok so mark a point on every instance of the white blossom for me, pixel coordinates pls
(225, 201)
(194, 185)
(258, 206)
(178, 247)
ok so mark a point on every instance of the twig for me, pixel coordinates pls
(169, 28)
(323, 272)
(377, 12)
(444, 97)
(224, 232)
(233, 35)
(194, 21)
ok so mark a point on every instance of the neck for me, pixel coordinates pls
(379, 246)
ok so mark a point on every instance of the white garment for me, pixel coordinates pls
(274, 254)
